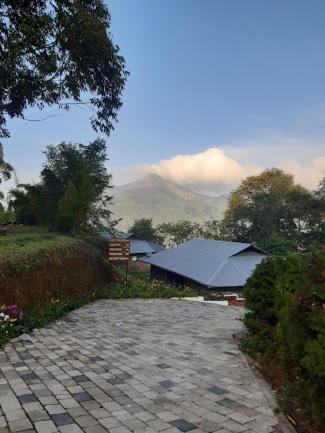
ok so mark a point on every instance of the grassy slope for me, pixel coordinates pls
(24, 240)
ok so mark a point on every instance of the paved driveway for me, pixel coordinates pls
(133, 365)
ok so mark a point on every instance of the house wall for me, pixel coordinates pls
(136, 265)
(157, 273)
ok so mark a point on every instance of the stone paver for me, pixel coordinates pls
(134, 366)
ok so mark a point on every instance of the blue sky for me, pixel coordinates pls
(244, 77)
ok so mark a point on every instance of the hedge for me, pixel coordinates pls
(61, 271)
(285, 323)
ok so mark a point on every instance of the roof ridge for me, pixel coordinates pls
(219, 240)
(215, 273)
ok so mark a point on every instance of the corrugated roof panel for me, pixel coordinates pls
(235, 270)
(202, 259)
(137, 245)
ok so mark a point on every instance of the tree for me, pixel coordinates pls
(29, 204)
(211, 229)
(318, 235)
(144, 228)
(268, 206)
(174, 233)
(320, 192)
(72, 194)
(57, 52)
(5, 168)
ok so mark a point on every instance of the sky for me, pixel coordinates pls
(218, 90)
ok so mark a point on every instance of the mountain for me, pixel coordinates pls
(162, 200)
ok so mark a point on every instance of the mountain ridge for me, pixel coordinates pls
(163, 200)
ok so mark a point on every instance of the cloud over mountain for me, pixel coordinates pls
(214, 168)
(207, 167)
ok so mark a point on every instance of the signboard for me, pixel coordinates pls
(118, 249)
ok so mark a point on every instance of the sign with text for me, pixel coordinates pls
(118, 249)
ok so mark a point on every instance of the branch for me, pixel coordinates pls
(45, 118)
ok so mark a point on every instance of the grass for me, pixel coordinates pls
(21, 240)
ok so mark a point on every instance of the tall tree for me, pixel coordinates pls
(270, 206)
(59, 52)
(72, 194)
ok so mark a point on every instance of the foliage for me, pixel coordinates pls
(56, 52)
(270, 206)
(141, 286)
(10, 316)
(144, 228)
(320, 193)
(285, 323)
(5, 168)
(175, 233)
(24, 240)
(7, 216)
(278, 246)
(72, 194)
(24, 250)
(212, 229)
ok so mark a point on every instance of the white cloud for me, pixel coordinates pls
(219, 170)
(307, 175)
(211, 166)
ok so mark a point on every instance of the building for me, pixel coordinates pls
(207, 265)
(139, 248)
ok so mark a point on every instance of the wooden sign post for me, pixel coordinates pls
(119, 250)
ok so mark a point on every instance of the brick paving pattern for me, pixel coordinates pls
(124, 366)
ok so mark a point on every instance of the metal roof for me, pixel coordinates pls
(211, 263)
(137, 245)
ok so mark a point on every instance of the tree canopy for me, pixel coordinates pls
(72, 194)
(270, 207)
(59, 52)
(143, 227)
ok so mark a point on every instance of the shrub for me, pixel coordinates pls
(140, 286)
(285, 323)
(261, 298)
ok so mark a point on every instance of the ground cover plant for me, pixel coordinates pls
(20, 240)
(285, 321)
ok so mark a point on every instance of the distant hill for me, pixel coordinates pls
(163, 201)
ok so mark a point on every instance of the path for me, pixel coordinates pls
(133, 365)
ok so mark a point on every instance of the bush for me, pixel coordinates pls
(140, 286)
(285, 323)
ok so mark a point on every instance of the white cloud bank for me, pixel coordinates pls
(207, 167)
(307, 175)
(214, 167)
